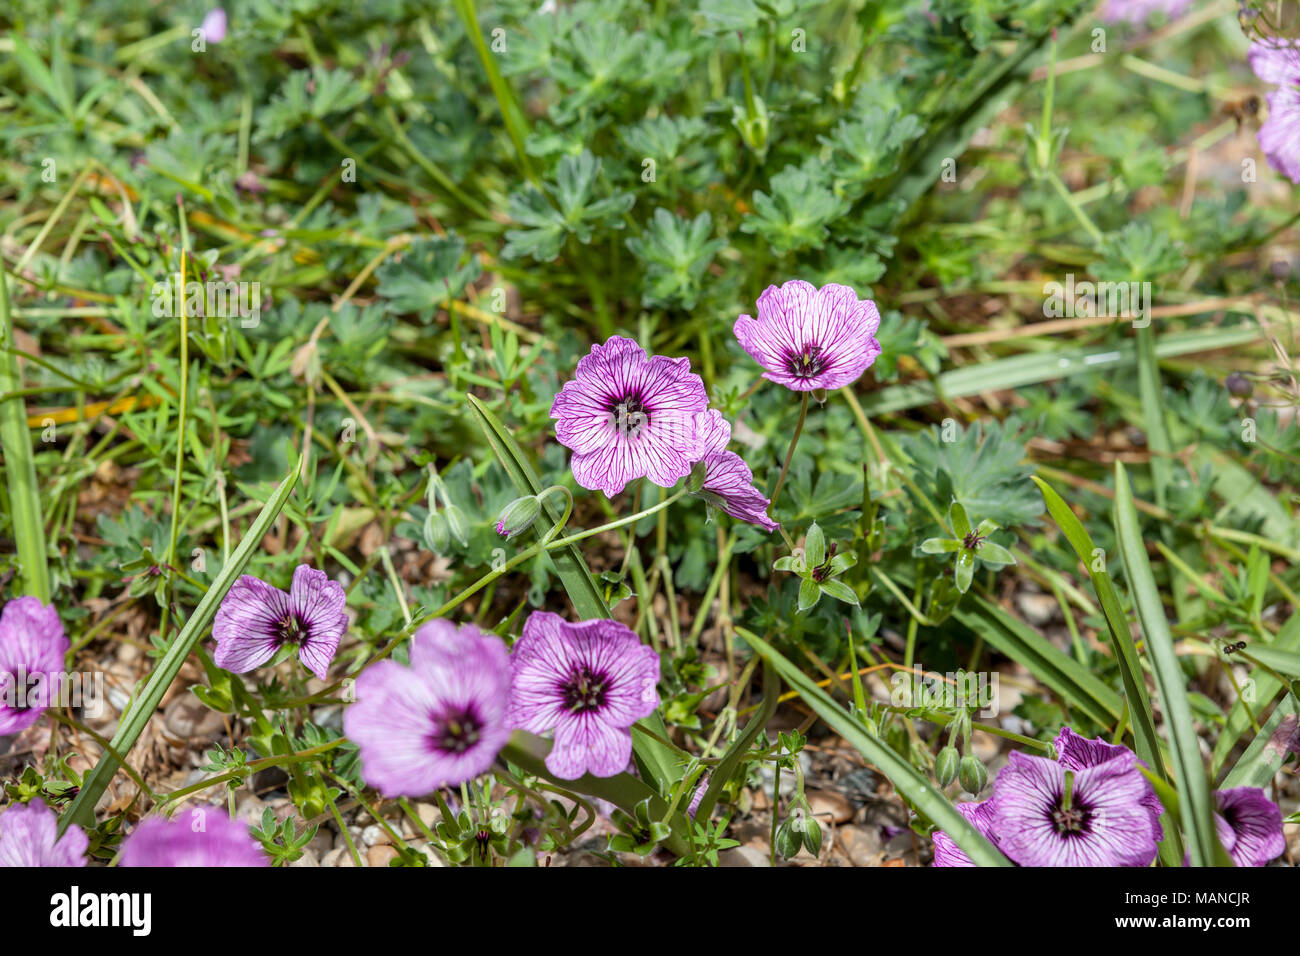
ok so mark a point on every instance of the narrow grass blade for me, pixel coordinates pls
(1189, 774)
(141, 709)
(1286, 663)
(653, 757)
(720, 774)
(920, 791)
(1145, 738)
(1069, 679)
(1263, 758)
(19, 466)
(1035, 367)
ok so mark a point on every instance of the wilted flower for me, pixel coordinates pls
(809, 338)
(728, 483)
(518, 516)
(32, 645)
(255, 620)
(1253, 833)
(29, 836)
(981, 816)
(1046, 814)
(627, 416)
(209, 838)
(589, 682)
(440, 721)
(1278, 62)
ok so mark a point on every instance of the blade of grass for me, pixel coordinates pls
(1145, 738)
(1262, 758)
(1264, 686)
(920, 791)
(1184, 746)
(141, 709)
(20, 466)
(731, 759)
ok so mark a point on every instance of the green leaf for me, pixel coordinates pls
(1265, 756)
(1284, 662)
(1189, 774)
(740, 746)
(840, 591)
(428, 276)
(809, 594)
(992, 553)
(965, 571)
(940, 545)
(676, 252)
(797, 212)
(901, 774)
(142, 708)
(958, 519)
(814, 546)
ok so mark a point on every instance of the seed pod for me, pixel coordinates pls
(945, 765)
(972, 774)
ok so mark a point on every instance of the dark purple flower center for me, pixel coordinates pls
(290, 629)
(584, 690)
(1072, 821)
(629, 414)
(807, 363)
(456, 731)
(972, 541)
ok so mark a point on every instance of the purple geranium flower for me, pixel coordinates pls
(1100, 819)
(1254, 823)
(627, 416)
(809, 338)
(981, 816)
(209, 838)
(728, 482)
(440, 721)
(29, 836)
(1278, 62)
(32, 645)
(1139, 11)
(255, 620)
(589, 682)
(1078, 753)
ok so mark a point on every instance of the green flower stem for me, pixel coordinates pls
(794, 440)
(252, 766)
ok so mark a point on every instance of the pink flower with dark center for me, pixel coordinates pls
(255, 620)
(588, 682)
(1139, 11)
(1254, 825)
(809, 338)
(728, 482)
(207, 838)
(214, 25)
(1278, 62)
(1046, 814)
(946, 850)
(437, 723)
(29, 836)
(32, 645)
(1078, 753)
(626, 416)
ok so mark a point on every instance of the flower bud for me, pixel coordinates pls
(436, 535)
(457, 524)
(788, 840)
(518, 516)
(1238, 385)
(974, 776)
(695, 480)
(945, 766)
(812, 836)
